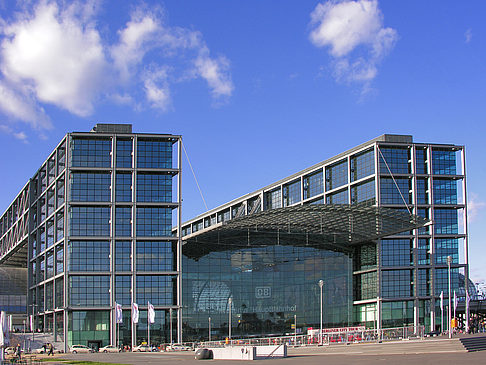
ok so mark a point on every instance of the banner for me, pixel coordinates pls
(134, 312)
(118, 313)
(151, 313)
(455, 301)
(441, 300)
(31, 317)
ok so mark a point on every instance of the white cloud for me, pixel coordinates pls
(133, 44)
(474, 206)
(18, 135)
(53, 53)
(18, 105)
(468, 35)
(215, 72)
(357, 40)
(157, 89)
(61, 59)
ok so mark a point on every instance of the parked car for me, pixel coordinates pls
(433, 333)
(178, 347)
(10, 350)
(109, 348)
(142, 348)
(80, 348)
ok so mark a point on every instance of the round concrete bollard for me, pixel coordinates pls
(203, 354)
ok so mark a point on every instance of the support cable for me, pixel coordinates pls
(193, 174)
(394, 181)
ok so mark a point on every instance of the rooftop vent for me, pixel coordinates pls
(112, 128)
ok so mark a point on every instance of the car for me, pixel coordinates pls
(178, 347)
(80, 348)
(433, 333)
(109, 348)
(10, 350)
(142, 348)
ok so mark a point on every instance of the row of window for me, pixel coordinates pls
(96, 187)
(90, 152)
(95, 221)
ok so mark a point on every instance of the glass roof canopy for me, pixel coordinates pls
(333, 227)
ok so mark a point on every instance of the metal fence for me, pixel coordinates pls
(331, 338)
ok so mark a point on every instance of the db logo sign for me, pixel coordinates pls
(263, 292)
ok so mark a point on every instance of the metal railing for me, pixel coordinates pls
(331, 338)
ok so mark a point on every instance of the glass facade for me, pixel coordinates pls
(268, 286)
(100, 211)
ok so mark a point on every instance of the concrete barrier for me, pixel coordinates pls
(249, 352)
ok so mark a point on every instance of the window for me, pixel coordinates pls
(441, 281)
(123, 251)
(50, 264)
(366, 286)
(89, 290)
(273, 199)
(123, 191)
(89, 256)
(61, 158)
(123, 284)
(123, 221)
(423, 283)
(446, 247)
(445, 191)
(445, 221)
(124, 153)
(59, 294)
(291, 193)
(397, 252)
(313, 185)
(59, 259)
(157, 290)
(90, 221)
(91, 152)
(155, 256)
(397, 160)
(363, 193)
(337, 175)
(421, 161)
(443, 162)
(397, 314)
(423, 251)
(397, 283)
(153, 222)
(362, 165)
(60, 226)
(391, 195)
(422, 191)
(338, 198)
(154, 154)
(90, 187)
(154, 188)
(60, 192)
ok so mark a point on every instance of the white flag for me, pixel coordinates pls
(118, 313)
(4, 337)
(134, 312)
(151, 313)
(31, 323)
(441, 300)
(455, 300)
(468, 298)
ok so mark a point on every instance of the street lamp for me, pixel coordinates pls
(321, 284)
(449, 261)
(230, 301)
(209, 329)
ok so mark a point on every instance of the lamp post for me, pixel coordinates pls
(449, 261)
(209, 329)
(295, 330)
(230, 301)
(321, 284)
(170, 324)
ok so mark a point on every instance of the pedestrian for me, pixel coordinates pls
(19, 352)
(51, 350)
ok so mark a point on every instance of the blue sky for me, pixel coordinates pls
(258, 89)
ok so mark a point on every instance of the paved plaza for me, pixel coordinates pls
(423, 352)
